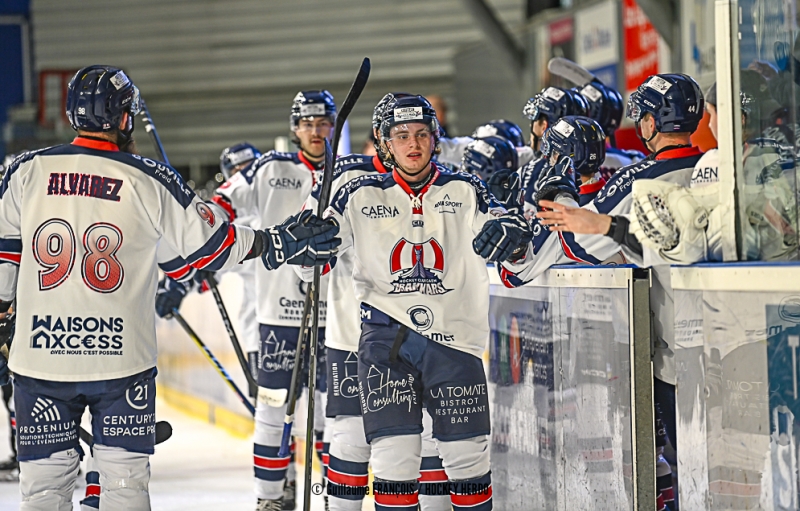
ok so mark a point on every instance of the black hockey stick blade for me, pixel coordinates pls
(344, 112)
(163, 433)
(571, 71)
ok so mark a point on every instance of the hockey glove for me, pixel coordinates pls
(557, 183)
(169, 296)
(503, 238)
(506, 187)
(201, 279)
(303, 239)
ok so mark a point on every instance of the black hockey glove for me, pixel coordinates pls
(506, 187)
(503, 238)
(169, 296)
(558, 181)
(303, 239)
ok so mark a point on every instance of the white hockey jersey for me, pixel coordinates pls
(274, 187)
(673, 165)
(343, 322)
(80, 225)
(412, 252)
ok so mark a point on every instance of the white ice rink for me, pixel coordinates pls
(201, 467)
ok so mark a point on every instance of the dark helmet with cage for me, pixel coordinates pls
(553, 103)
(674, 100)
(501, 128)
(580, 138)
(485, 156)
(98, 97)
(605, 105)
(235, 156)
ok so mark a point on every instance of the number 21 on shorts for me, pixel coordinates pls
(55, 249)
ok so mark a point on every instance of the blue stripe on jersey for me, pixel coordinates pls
(382, 181)
(211, 245)
(11, 245)
(15, 164)
(619, 186)
(345, 164)
(483, 199)
(250, 171)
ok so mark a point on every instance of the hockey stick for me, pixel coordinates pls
(571, 71)
(163, 433)
(150, 128)
(226, 320)
(324, 198)
(211, 358)
(327, 180)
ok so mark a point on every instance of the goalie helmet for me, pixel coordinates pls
(554, 103)
(98, 96)
(236, 155)
(605, 105)
(312, 103)
(485, 156)
(501, 128)
(674, 100)
(580, 138)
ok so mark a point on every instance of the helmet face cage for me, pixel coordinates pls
(554, 103)
(312, 103)
(580, 138)
(98, 96)
(236, 155)
(485, 156)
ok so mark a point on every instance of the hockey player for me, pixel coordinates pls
(89, 339)
(418, 346)
(583, 141)
(349, 451)
(667, 110)
(273, 186)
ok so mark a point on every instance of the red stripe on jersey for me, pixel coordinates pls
(92, 490)
(271, 463)
(678, 152)
(179, 273)
(568, 252)
(474, 499)
(347, 479)
(504, 275)
(326, 459)
(397, 499)
(379, 165)
(318, 445)
(101, 145)
(225, 204)
(669, 494)
(433, 476)
(592, 187)
(229, 239)
(310, 166)
(11, 257)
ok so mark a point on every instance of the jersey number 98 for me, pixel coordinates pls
(55, 249)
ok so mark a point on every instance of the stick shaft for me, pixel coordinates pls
(312, 379)
(150, 128)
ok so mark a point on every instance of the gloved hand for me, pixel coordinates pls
(303, 239)
(506, 186)
(504, 238)
(201, 279)
(557, 182)
(169, 296)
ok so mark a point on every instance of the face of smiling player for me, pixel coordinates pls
(312, 132)
(412, 147)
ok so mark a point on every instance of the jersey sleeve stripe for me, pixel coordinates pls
(222, 239)
(574, 251)
(10, 250)
(176, 269)
(509, 279)
(225, 204)
(10, 257)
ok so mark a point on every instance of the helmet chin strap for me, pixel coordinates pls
(645, 141)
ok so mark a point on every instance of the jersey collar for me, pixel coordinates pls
(677, 152)
(592, 187)
(378, 164)
(95, 143)
(308, 163)
(400, 181)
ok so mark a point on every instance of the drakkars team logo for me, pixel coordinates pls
(419, 266)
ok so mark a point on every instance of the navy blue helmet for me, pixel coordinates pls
(98, 96)
(409, 109)
(674, 100)
(605, 105)
(501, 128)
(553, 103)
(235, 155)
(312, 103)
(580, 138)
(377, 112)
(485, 156)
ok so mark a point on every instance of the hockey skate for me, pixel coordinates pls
(9, 470)
(289, 496)
(270, 505)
